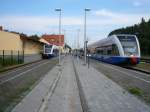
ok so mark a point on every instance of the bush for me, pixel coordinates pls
(135, 91)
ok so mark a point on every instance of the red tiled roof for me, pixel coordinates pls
(54, 39)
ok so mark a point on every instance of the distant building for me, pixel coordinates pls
(57, 40)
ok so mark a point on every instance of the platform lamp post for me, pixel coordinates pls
(85, 39)
(65, 40)
(78, 47)
(65, 37)
(59, 10)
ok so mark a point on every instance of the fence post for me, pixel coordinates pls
(3, 58)
(18, 56)
(23, 56)
(11, 56)
(88, 58)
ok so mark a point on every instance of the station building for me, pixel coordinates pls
(16, 42)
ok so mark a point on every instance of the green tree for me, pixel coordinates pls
(142, 30)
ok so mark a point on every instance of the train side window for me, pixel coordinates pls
(98, 51)
(105, 51)
(109, 52)
(102, 52)
(115, 50)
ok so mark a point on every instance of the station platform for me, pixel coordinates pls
(73, 87)
(104, 95)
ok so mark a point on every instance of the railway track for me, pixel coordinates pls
(146, 60)
(138, 69)
(14, 73)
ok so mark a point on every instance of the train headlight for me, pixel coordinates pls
(132, 55)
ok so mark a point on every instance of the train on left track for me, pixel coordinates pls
(50, 51)
(120, 49)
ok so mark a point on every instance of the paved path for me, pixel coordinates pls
(103, 95)
(66, 95)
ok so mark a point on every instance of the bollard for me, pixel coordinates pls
(11, 56)
(18, 57)
(3, 57)
(23, 56)
(88, 61)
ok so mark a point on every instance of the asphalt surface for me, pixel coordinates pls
(125, 77)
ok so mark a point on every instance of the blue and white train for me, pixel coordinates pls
(120, 49)
(49, 51)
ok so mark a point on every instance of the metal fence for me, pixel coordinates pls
(11, 57)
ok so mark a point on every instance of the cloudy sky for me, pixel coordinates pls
(39, 16)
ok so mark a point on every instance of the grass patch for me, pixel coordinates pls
(135, 91)
(9, 62)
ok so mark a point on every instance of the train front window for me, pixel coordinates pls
(129, 45)
(48, 49)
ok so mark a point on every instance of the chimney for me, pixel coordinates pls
(1, 28)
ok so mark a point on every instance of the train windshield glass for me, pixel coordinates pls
(129, 45)
(48, 49)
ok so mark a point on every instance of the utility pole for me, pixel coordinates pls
(78, 46)
(59, 10)
(85, 39)
(78, 32)
(65, 40)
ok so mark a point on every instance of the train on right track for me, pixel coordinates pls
(120, 49)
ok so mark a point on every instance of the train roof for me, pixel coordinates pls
(121, 35)
(106, 41)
